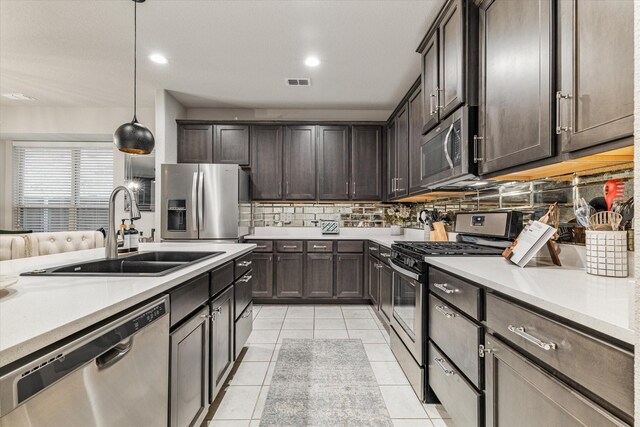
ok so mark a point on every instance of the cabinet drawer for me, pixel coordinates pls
(356, 246)
(243, 292)
(374, 249)
(221, 277)
(596, 365)
(188, 297)
(289, 246)
(458, 337)
(463, 295)
(320, 246)
(385, 254)
(262, 245)
(244, 326)
(462, 402)
(243, 264)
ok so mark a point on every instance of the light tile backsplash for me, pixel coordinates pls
(309, 214)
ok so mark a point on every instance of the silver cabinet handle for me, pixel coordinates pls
(385, 255)
(431, 110)
(442, 309)
(246, 279)
(559, 127)
(319, 247)
(354, 189)
(373, 248)
(476, 154)
(440, 362)
(244, 263)
(443, 288)
(346, 186)
(438, 106)
(520, 331)
(261, 247)
(247, 314)
(289, 247)
(378, 265)
(398, 180)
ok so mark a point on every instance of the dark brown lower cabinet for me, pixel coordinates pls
(518, 393)
(221, 348)
(349, 276)
(386, 290)
(289, 275)
(263, 275)
(373, 285)
(319, 276)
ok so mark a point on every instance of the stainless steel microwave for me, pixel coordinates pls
(446, 153)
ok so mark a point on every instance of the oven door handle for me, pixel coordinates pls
(405, 272)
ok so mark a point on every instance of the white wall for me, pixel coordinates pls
(5, 187)
(283, 114)
(636, 99)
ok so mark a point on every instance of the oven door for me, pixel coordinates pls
(408, 320)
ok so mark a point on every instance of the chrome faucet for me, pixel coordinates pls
(111, 246)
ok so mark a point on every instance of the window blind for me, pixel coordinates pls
(59, 188)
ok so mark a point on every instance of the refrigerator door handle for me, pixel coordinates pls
(194, 204)
(200, 200)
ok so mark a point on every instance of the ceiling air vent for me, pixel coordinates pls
(298, 82)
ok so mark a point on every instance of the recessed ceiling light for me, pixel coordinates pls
(158, 59)
(18, 97)
(312, 61)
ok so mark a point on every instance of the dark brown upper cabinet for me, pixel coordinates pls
(398, 154)
(333, 163)
(366, 163)
(266, 171)
(415, 140)
(300, 163)
(231, 144)
(594, 101)
(516, 92)
(195, 144)
(449, 62)
(391, 167)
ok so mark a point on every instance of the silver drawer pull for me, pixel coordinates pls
(319, 247)
(290, 247)
(386, 255)
(246, 279)
(442, 309)
(443, 288)
(521, 332)
(440, 362)
(373, 248)
(261, 247)
(247, 314)
(244, 263)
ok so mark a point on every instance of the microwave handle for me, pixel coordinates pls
(446, 146)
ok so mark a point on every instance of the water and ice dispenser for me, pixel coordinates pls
(177, 215)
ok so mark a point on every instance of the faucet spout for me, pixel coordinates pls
(111, 246)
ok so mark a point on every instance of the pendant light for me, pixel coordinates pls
(134, 137)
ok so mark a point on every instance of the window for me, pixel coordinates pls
(59, 187)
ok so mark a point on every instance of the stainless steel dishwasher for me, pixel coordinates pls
(114, 375)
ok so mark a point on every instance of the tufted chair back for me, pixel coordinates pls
(62, 241)
(12, 246)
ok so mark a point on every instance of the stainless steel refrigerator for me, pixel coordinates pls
(205, 202)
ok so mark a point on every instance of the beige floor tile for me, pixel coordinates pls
(368, 336)
(257, 413)
(255, 423)
(379, 353)
(238, 403)
(330, 334)
(361, 324)
(355, 306)
(229, 423)
(293, 323)
(389, 373)
(322, 323)
(300, 312)
(443, 423)
(435, 410)
(402, 402)
(267, 378)
(328, 312)
(295, 333)
(264, 337)
(276, 352)
(258, 352)
(250, 373)
(350, 313)
(267, 323)
(272, 313)
(412, 423)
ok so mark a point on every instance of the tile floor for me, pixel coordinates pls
(241, 402)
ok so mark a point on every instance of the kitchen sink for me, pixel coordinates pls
(143, 264)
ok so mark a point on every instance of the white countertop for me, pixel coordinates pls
(39, 311)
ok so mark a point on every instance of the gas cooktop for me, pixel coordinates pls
(423, 249)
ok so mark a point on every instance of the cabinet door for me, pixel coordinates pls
(289, 275)
(266, 171)
(366, 163)
(430, 83)
(231, 145)
(373, 287)
(386, 291)
(222, 350)
(451, 87)
(319, 276)
(402, 152)
(195, 144)
(263, 275)
(415, 140)
(349, 276)
(300, 163)
(515, 104)
(189, 376)
(596, 68)
(333, 162)
(391, 160)
(518, 393)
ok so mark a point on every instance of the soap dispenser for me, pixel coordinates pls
(123, 240)
(134, 238)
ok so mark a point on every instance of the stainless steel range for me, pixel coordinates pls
(479, 234)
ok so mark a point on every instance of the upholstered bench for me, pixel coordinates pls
(62, 241)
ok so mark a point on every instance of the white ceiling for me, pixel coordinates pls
(233, 54)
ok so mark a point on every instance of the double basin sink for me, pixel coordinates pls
(143, 264)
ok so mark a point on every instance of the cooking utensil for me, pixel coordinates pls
(583, 212)
(606, 220)
(599, 204)
(439, 232)
(626, 209)
(613, 189)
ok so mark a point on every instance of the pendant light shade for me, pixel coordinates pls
(133, 137)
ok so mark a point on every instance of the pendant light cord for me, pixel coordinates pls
(135, 59)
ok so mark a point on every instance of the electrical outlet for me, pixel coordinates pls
(287, 217)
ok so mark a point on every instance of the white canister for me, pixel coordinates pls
(396, 230)
(606, 253)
